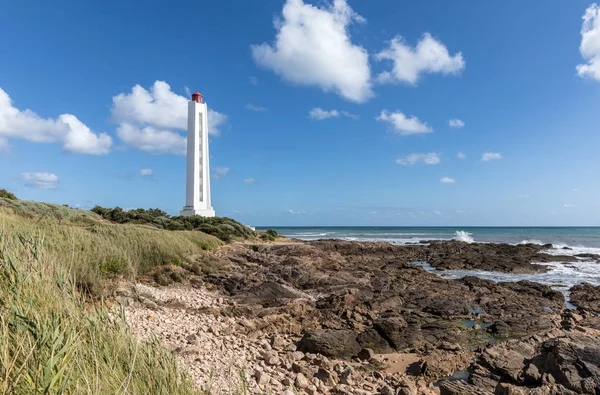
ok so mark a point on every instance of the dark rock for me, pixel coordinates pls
(370, 338)
(461, 388)
(587, 296)
(366, 354)
(331, 343)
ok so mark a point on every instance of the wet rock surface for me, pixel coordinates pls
(332, 317)
(586, 296)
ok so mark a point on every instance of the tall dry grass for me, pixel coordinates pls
(96, 248)
(51, 342)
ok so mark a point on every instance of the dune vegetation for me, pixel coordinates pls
(55, 334)
(95, 249)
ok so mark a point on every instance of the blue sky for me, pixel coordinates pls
(322, 112)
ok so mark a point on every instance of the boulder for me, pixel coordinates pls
(331, 343)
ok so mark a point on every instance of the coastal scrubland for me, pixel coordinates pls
(56, 336)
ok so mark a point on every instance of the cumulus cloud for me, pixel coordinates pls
(146, 119)
(431, 158)
(488, 156)
(220, 172)
(447, 180)
(40, 180)
(152, 140)
(256, 108)
(145, 172)
(313, 47)
(293, 212)
(569, 205)
(590, 43)
(250, 181)
(429, 56)
(456, 123)
(320, 114)
(460, 155)
(402, 124)
(67, 130)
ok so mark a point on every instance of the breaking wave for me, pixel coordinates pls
(462, 235)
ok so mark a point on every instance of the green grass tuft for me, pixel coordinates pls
(52, 342)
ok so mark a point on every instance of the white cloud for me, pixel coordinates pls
(250, 181)
(488, 156)
(253, 107)
(145, 172)
(456, 123)
(404, 125)
(349, 114)
(320, 114)
(313, 47)
(431, 158)
(460, 155)
(146, 118)
(436, 212)
(220, 172)
(290, 211)
(40, 180)
(590, 43)
(67, 130)
(447, 180)
(568, 205)
(429, 56)
(152, 140)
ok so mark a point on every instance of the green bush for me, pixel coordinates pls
(223, 228)
(7, 195)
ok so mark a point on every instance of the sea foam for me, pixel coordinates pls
(462, 235)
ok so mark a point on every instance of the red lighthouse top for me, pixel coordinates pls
(197, 97)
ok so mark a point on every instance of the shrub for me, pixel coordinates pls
(7, 195)
(224, 228)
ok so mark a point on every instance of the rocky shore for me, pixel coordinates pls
(359, 318)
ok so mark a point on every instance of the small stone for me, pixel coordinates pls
(261, 377)
(192, 339)
(379, 375)
(328, 378)
(406, 387)
(366, 354)
(311, 389)
(271, 358)
(301, 381)
(278, 343)
(290, 347)
(265, 345)
(297, 355)
(288, 392)
(348, 377)
(386, 390)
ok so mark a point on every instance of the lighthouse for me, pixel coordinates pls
(197, 196)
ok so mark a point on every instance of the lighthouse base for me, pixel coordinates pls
(189, 211)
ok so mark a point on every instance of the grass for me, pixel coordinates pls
(53, 342)
(96, 248)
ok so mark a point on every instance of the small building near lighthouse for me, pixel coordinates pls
(197, 195)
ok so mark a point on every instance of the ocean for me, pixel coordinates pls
(561, 276)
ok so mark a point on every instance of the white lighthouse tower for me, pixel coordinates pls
(197, 196)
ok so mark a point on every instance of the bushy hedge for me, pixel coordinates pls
(224, 228)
